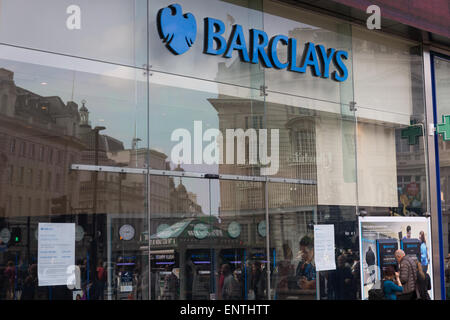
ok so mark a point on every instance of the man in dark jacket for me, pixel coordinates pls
(370, 257)
(370, 260)
(408, 275)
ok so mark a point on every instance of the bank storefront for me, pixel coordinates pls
(189, 150)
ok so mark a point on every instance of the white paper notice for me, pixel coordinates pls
(324, 247)
(56, 253)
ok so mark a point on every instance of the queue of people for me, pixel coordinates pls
(20, 281)
(301, 282)
(233, 286)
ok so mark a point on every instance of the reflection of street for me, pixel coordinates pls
(40, 138)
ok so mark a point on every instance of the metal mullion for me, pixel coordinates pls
(183, 174)
(433, 180)
(92, 168)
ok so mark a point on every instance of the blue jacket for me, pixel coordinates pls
(423, 254)
(390, 288)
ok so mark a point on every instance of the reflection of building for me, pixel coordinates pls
(411, 177)
(38, 142)
(41, 137)
(444, 164)
(290, 206)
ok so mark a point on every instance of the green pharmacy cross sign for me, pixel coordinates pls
(412, 133)
(444, 128)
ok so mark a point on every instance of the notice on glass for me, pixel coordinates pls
(56, 253)
(324, 247)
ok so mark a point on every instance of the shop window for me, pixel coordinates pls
(13, 145)
(49, 181)
(11, 174)
(19, 206)
(41, 153)
(4, 103)
(23, 149)
(32, 151)
(57, 181)
(30, 177)
(50, 156)
(21, 175)
(39, 179)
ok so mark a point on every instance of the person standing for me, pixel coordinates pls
(341, 281)
(254, 280)
(231, 289)
(370, 260)
(423, 283)
(391, 284)
(408, 233)
(306, 271)
(423, 252)
(10, 275)
(407, 274)
(101, 280)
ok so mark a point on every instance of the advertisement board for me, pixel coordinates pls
(380, 237)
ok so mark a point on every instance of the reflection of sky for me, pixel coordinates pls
(442, 72)
(209, 201)
(111, 30)
(173, 108)
(113, 102)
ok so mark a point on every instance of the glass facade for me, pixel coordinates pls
(199, 176)
(442, 97)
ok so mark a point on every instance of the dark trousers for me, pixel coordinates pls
(407, 296)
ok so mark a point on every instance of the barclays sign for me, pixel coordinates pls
(179, 32)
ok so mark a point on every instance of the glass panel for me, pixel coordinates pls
(60, 112)
(106, 30)
(442, 83)
(388, 77)
(392, 163)
(208, 241)
(181, 229)
(298, 27)
(344, 282)
(292, 216)
(241, 263)
(173, 56)
(200, 126)
(104, 215)
(65, 111)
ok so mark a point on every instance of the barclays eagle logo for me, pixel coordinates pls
(177, 30)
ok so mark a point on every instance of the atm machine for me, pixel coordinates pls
(199, 273)
(165, 271)
(411, 248)
(386, 254)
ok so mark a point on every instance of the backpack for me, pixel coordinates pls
(377, 294)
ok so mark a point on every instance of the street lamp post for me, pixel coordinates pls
(94, 206)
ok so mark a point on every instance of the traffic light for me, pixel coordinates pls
(59, 205)
(16, 235)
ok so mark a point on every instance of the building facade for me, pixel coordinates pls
(194, 148)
